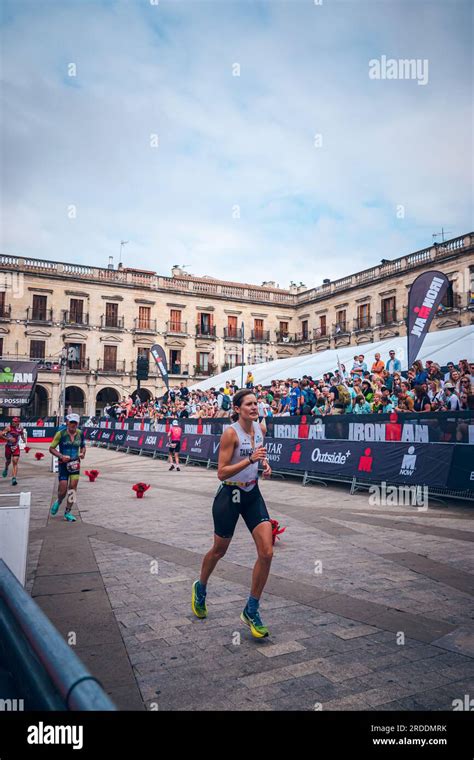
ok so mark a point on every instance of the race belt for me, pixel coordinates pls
(238, 483)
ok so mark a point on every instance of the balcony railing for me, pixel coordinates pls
(153, 370)
(179, 369)
(340, 328)
(387, 317)
(283, 336)
(319, 332)
(6, 312)
(111, 367)
(41, 316)
(204, 371)
(454, 306)
(363, 323)
(226, 366)
(73, 318)
(260, 336)
(233, 333)
(82, 365)
(304, 337)
(144, 325)
(48, 364)
(45, 363)
(177, 328)
(179, 284)
(205, 332)
(111, 323)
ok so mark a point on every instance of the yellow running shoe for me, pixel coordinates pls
(259, 631)
(198, 602)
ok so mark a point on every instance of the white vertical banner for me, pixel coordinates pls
(14, 532)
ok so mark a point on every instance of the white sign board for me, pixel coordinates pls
(14, 530)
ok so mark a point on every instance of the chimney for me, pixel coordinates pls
(111, 263)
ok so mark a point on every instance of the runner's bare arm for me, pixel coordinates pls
(225, 470)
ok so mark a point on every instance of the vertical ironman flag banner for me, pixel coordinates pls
(17, 382)
(426, 294)
(158, 353)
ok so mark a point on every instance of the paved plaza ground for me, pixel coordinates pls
(369, 608)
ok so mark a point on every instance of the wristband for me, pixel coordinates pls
(250, 459)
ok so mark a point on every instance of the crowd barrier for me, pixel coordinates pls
(443, 467)
(429, 427)
(429, 449)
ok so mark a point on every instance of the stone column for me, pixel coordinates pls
(91, 394)
(54, 397)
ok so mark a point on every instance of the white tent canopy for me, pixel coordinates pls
(441, 346)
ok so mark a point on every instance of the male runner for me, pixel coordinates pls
(240, 451)
(12, 434)
(69, 447)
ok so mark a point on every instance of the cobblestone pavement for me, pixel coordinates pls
(368, 607)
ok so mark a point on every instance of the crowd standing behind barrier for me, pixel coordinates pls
(380, 390)
(359, 390)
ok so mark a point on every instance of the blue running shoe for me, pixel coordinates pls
(259, 631)
(55, 507)
(14, 482)
(69, 517)
(5, 473)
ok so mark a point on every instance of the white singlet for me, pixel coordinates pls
(242, 451)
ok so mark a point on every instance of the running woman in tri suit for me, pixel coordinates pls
(241, 449)
(69, 447)
(12, 434)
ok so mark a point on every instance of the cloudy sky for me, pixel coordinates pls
(155, 140)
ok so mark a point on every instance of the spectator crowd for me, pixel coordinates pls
(380, 388)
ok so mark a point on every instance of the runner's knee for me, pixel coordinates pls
(266, 553)
(219, 551)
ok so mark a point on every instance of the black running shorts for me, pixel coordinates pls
(175, 448)
(232, 501)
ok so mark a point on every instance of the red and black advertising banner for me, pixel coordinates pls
(398, 462)
(420, 464)
(158, 353)
(426, 294)
(17, 382)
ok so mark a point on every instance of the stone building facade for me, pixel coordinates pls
(106, 317)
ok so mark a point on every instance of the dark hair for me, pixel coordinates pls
(238, 398)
